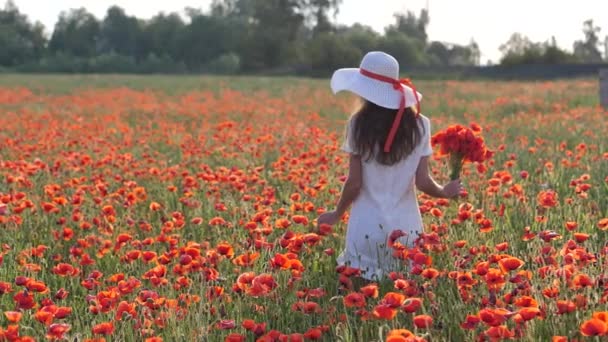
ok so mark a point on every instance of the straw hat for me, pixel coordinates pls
(364, 82)
(377, 80)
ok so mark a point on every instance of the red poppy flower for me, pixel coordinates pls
(234, 337)
(412, 305)
(594, 327)
(510, 264)
(423, 321)
(370, 291)
(399, 335)
(57, 330)
(603, 224)
(354, 299)
(547, 199)
(385, 312)
(499, 332)
(13, 316)
(313, 334)
(495, 317)
(106, 328)
(393, 299)
(601, 315)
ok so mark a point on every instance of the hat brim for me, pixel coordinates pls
(381, 93)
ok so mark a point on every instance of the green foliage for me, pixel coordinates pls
(235, 36)
(410, 25)
(452, 54)
(20, 40)
(161, 35)
(206, 38)
(331, 51)
(520, 50)
(154, 64)
(226, 64)
(408, 51)
(361, 37)
(76, 33)
(120, 34)
(588, 50)
(113, 62)
(250, 36)
(59, 63)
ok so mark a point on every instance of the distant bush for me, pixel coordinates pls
(112, 63)
(228, 63)
(154, 64)
(329, 52)
(59, 63)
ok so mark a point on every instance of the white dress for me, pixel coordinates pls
(387, 201)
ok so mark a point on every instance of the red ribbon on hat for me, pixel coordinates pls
(397, 85)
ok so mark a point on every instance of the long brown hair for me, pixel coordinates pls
(370, 130)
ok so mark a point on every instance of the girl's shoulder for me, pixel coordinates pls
(425, 122)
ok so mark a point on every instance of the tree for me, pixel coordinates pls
(206, 38)
(588, 50)
(120, 33)
(407, 50)
(463, 55)
(515, 46)
(329, 51)
(223, 8)
(359, 36)
(271, 31)
(454, 54)
(277, 31)
(410, 25)
(553, 54)
(76, 33)
(520, 50)
(318, 14)
(406, 39)
(250, 35)
(20, 41)
(161, 35)
(439, 53)
(475, 53)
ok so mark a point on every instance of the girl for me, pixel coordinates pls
(389, 144)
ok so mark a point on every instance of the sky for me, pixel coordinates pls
(489, 22)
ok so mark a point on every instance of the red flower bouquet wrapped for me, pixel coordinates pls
(463, 145)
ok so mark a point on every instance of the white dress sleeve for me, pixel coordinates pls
(425, 144)
(349, 141)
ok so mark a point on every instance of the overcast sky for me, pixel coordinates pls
(489, 22)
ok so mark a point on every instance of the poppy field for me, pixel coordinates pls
(183, 209)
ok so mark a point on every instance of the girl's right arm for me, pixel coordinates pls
(426, 183)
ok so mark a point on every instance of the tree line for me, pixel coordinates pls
(519, 49)
(245, 36)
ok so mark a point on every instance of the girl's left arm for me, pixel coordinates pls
(352, 186)
(350, 191)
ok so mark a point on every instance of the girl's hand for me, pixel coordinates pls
(452, 189)
(330, 218)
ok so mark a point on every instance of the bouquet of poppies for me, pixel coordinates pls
(462, 144)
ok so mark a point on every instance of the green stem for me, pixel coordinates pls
(455, 165)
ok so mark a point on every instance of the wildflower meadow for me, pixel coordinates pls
(183, 209)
